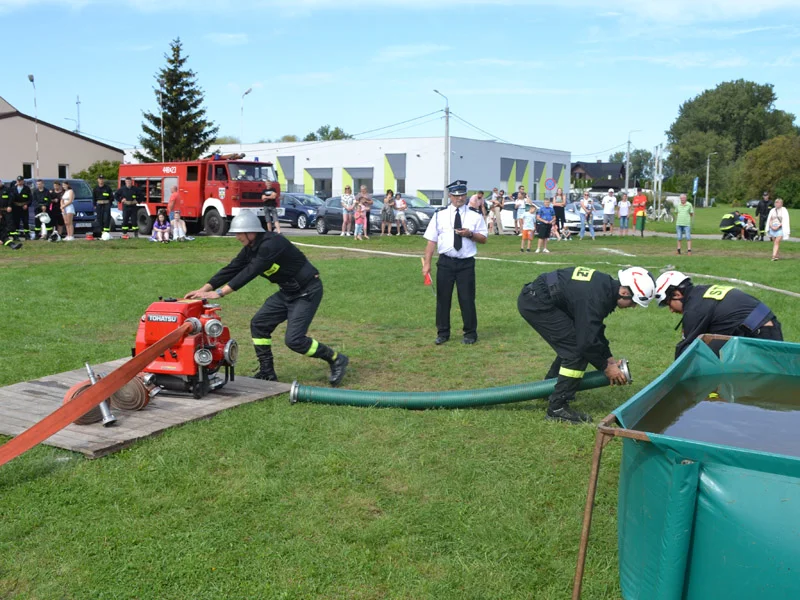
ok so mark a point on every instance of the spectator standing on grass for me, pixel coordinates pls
(545, 219)
(41, 201)
(387, 212)
(762, 212)
(21, 198)
(497, 211)
(348, 206)
(68, 210)
(359, 217)
(477, 204)
(528, 227)
(779, 227)
(56, 215)
(5, 218)
(454, 232)
(270, 199)
(102, 196)
(365, 198)
(623, 210)
(609, 210)
(520, 208)
(639, 211)
(175, 204)
(683, 224)
(586, 210)
(559, 207)
(400, 207)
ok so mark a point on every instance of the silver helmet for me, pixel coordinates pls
(246, 222)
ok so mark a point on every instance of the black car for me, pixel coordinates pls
(418, 214)
(752, 203)
(299, 210)
(84, 207)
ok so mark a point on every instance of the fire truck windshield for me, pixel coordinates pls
(251, 172)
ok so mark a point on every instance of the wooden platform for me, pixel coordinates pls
(24, 404)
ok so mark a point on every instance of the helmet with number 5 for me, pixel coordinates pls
(666, 283)
(640, 283)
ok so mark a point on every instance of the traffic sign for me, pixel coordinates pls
(550, 184)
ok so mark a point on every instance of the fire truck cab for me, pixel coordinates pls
(212, 190)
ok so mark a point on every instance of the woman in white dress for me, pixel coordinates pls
(68, 210)
(348, 206)
(778, 226)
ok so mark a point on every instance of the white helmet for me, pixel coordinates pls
(665, 282)
(640, 283)
(54, 237)
(43, 218)
(246, 221)
(106, 236)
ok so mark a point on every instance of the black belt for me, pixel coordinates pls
(441, 256)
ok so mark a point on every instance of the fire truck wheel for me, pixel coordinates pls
(144, 222)
(214, 224)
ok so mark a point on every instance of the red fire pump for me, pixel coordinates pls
(192, 364)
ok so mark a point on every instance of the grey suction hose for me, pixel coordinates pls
(457, 399)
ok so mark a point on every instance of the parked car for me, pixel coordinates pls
(418, 214)
(116, 218)
(507, 214)
(573, 218)
(84, 207)
(298, 210)
(752, 203)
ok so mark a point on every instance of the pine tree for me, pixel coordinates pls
(187, 132)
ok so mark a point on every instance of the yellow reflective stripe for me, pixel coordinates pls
(574, 373)
(272, 270)
(717, 292)
(262, 341)
(582, 274)
(7, 242)
(313, 349)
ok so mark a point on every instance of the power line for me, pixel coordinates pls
(97, 137)
(601, 151)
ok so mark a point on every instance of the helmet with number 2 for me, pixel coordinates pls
(640, 283)
(665, 284)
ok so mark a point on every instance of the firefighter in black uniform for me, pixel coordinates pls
(42, 197)
(21, 198)
(275, 258)
(762, 211)
(5, 215)
(130, 196)
(567, 308)
(102, 197)
(718, 309)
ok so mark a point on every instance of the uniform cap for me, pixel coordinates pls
(20, 178)
(457, 188)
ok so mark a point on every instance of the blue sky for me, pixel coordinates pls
(575, 75)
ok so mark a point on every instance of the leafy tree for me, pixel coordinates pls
(108, 168)
(688, 159)
(226, 139)
(187, 132)
(773, 166)
(289, 137)
(325, 133)
(641, 164)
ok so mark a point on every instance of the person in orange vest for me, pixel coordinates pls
(639, 211)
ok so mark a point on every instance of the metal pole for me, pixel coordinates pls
(446, 146)
(628, 160)
(708, 174)
(78, 104)
(241, 136)
(35, 122)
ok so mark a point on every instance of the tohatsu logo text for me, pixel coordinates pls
(162, 318)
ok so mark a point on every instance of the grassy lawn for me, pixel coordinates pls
(271, 500)
(706, 220)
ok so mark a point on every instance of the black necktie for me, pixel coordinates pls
(456, 226)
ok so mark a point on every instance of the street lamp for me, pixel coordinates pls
(708, 170)
(35, 123)
(628, 159)
(241, 137)
(161, 109)
(446, 144)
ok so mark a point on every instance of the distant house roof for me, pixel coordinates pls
(601, 170)
(7, 111)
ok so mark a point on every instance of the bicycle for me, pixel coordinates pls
(659, 215)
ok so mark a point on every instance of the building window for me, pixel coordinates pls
(27, 170)
(191, 173)
(401, 186)
(63, 171)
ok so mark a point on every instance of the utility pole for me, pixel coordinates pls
(241, 136)
(708, 172)
(78, 104)
(628, 160)
(446, 146)
(35, 123)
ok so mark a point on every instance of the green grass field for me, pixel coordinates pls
(271, 500)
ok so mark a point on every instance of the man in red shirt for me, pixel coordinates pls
(639, 211)
(174, 202)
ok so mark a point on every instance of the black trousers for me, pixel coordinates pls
(762, 225)
(297, 310)
(458, 272)
(561, 216)
(129, 218)
(102, 218)
(557, 329)
(19, 221)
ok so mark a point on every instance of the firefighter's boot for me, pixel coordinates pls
(558, 407)
(336, 360)
(266, 370)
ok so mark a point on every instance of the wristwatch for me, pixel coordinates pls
(219, 291)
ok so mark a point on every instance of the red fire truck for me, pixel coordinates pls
(212, 190)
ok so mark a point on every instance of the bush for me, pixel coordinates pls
(789, 189)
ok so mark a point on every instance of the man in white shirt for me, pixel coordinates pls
(454, 232)
(609, 208)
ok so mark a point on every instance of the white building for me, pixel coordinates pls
(61, 152)
(409, 165)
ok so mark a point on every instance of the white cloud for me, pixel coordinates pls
(790, 59)
(227, 39)
(687, 60)
(409, 51)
